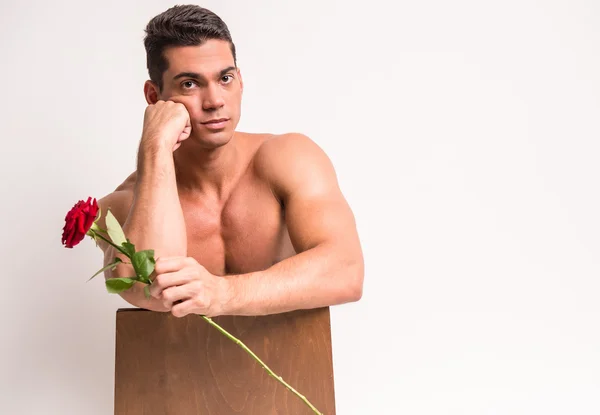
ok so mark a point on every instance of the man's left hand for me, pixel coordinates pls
(186, 287)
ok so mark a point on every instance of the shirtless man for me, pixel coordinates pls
(241, 224)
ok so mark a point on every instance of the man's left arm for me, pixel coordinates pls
(328, 267)
(327, 270)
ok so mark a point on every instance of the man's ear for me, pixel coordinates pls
(151, 92)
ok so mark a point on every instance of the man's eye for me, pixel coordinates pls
(227, 79)
(188, 84)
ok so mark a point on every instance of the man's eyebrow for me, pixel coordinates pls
(195, 75)
(192, 75)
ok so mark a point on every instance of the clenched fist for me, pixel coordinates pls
(166, 125)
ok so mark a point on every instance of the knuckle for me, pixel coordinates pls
(158, 281)
(197, 288)
(177, 311)
(200, 302)
(198, 276)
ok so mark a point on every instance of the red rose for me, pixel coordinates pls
(79, 220)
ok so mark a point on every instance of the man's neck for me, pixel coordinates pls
(208, 172)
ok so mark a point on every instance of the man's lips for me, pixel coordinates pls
(215, 123)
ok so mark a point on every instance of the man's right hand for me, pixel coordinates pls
(166, 125)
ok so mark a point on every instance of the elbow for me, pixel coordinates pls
(356, 274)
(357, 290)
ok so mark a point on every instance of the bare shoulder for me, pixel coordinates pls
(287, 145)
(293, 161)
(118, 202)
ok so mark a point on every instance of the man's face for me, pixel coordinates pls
(204, 79)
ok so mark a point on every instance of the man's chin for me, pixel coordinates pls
(212, 140)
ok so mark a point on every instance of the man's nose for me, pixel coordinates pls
(213, 98)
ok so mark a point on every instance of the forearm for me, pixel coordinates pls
(155, 221)
(318, 277)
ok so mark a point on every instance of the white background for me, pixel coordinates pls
(465, 137)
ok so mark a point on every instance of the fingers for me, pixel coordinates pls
(172, 271)
(168, 280)
(183, 285)
(193, 305)
(190, 295)
(183, 309)
(170, 264)
(184, 135)
(173, 295)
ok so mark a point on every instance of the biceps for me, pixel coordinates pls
(317, 220)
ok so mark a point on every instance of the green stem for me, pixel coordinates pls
(118, 248)
(251, 353)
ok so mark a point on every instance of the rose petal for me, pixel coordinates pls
(78, 221)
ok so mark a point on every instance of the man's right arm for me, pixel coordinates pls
(155, 218)
(119, 202)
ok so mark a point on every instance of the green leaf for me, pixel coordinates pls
(114, 229)
(113, 266)
(143, 264)
(116, 285)
(129, 248)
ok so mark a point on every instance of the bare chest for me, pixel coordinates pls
(247, 233)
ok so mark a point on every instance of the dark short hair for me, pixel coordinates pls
(182, 25)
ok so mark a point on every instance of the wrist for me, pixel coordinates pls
(154, 158)
(155, 142)
(232, 295)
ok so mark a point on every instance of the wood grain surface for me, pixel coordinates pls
(178, 366)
